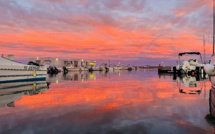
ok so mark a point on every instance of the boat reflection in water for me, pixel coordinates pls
(191, 84)
(188, 84)
(81, 76)
(10, 92)
(210, 118)
(71, 76)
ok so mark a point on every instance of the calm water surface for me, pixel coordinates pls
(134, 102)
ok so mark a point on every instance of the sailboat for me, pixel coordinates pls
(210, 68)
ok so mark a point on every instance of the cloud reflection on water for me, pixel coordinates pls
(120, 102)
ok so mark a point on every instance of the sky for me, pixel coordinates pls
(136, 32)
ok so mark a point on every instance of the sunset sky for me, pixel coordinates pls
(138, 32)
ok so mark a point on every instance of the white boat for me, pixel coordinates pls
(117, 67)
(125, 67)
(190, 66)
(96, 68)
(133, 68)
(104, 67)
(73, 69)
(12, 71)
(110, 69)
(209, 69)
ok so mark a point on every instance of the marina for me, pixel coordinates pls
(107, 67)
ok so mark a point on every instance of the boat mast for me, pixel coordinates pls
(213, 24)
(204, 47)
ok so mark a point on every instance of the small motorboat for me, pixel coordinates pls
(118, 67)
(190, 66)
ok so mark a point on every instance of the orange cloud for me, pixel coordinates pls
(96, 34)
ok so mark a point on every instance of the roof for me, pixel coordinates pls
(51, 58)
(181, 54)
(5, 61)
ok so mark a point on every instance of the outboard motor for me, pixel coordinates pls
(91, 69)
(56, 70)
(106, 69)
(52, 70)
(174, 70)
(65, 70)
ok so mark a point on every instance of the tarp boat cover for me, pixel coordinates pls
(196, 53)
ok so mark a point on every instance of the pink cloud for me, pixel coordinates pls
(98, 29)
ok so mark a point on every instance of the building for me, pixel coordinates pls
(58, 62)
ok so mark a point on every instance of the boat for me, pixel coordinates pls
(111, 69)
(210, 68)
(162, 68)
(96, 68)
(118, 67)
(104, 67)
(133, 68)
(12, 71)
(125, 67)
(190, 67)
(71, 68)
(165, 69)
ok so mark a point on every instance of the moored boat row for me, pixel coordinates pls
(55, 65)
(37, 68)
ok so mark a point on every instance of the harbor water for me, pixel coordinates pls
(130, 102)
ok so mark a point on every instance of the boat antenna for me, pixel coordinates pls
(213, 24)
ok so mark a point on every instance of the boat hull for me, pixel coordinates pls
(73, 69)
(7, 76)
(117, 68)
(209, 69)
